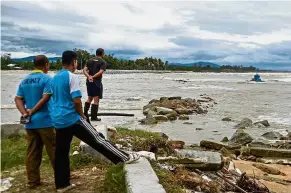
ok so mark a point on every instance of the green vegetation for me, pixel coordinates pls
(147, 63)
(115, 180)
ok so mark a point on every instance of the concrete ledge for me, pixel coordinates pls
(11, 128)
(141, 178)
(85, 148)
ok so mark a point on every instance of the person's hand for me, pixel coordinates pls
(90, 78)
(29, 112)
(84, 116)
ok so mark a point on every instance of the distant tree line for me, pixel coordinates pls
(147, 63)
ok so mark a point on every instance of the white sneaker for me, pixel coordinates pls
(133, 157)
(66, 188)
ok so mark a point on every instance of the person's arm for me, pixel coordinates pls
(76, 94)
(46, 95)
(20, 106)
(85, 72)
(19, 101)
(101, 71)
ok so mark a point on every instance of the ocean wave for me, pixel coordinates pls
(275, 119)
(207, 87)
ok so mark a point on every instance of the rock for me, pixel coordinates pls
(272, 135)
(164, 111)
(203, 100)
(163, 135)
(151, 113)
(175, 98)
(246, 122)
(133, 99)
(251, 158)
(184, 117)
(154, 101)
(259, 143)
(149, 107)
(199, 129)
(147, 154)
(226, 119)
(183, 111)
(225, 139)
(112, 132)
(171, 117)
(265, 123)
(266, 152)
(176, 144)
(268, 169)
(259, 125)
(188, 123)
(215, 145)
(199, 110)
(240, 137)
(164, 99)
(149, 120)
(160, 118)
(204, 160)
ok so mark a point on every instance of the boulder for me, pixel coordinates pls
(259, 143)
(183, 111)
(154, 101)
(272, 135)
(171, 117)
(164, 99)
(240, 137)
(264, 122)
(164, 111)
(225, 139)
(227, 119)
(176, 144)
(149, 120)
(246, 122)
(151, 113)
(199, 110)
(149, 107)
(216, 145)
(175, 98)
(160, 118)
(184, 117)
(266, 152)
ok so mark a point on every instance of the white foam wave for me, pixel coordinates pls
(207, 87)
(275, 119)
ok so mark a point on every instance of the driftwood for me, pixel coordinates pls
(114, 114)
(231, 183)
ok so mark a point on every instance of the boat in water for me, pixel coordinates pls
(257, 78)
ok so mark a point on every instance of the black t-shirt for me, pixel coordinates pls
(94, 65)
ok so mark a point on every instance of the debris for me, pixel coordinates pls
(76, 153)
(5, 184)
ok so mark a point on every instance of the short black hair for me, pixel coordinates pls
(68, 57)
(99, 52)
(40, 61)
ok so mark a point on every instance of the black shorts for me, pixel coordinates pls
(94, 89)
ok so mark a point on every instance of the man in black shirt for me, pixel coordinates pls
(93, 70)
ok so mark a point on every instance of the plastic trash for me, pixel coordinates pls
(5, 184)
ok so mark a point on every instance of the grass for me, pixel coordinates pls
(103, 178)
(115, 180)
(141, 140)
(169, 180)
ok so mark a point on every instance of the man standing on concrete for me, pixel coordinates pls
(31, 100)
(69, 120)
(94, 69)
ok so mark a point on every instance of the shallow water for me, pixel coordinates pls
(236, 97)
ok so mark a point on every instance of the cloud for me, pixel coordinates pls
(222, 32)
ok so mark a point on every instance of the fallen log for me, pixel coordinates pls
(114, 114)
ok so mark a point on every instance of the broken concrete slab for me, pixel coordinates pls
(141, 178)
(85, 148)
(204, 160)
(217, 146)
(266, 152)
(11, 128)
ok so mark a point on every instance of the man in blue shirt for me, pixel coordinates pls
(31, 99)
(69, 120)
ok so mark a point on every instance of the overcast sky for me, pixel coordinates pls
(257, 33)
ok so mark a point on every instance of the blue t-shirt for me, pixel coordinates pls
(31, 89)
(65, 87)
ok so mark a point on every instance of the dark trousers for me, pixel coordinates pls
(36, 139)
(87, 133)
